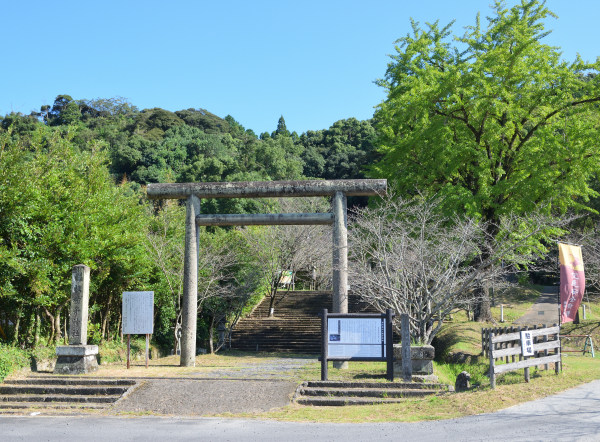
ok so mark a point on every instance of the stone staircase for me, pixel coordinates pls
(339, 393)
(296, 326)
(60, 393)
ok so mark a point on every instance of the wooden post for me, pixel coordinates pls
(324, 333)
(128, 349)
(526, 370)
(483, 334)
(406, 359)
(512, 330)
(491, 354)
(389, 345)
(545, 351)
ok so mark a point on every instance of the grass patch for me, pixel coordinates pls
(511, 390)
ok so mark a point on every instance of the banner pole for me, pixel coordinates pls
(147, 335)
(324, 344)
(558, 290)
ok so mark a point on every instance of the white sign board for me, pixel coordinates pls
(356, 337)
(138, 313)
(526, 343)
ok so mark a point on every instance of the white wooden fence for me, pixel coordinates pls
(509, 344)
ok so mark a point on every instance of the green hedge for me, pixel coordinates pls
(12, 359)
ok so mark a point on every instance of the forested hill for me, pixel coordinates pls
(156, 145)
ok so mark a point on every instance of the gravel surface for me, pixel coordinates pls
(195, 397)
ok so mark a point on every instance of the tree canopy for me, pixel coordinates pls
(493, 121)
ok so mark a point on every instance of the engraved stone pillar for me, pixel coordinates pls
(80, 295)
(78, 357)
(189, 307)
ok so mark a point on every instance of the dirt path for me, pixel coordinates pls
(544, 311)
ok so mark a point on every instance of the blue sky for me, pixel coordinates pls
(314, 62)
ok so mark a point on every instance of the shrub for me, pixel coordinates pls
(12, 359)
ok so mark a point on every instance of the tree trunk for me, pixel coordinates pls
(17, 324)
(30, 329)
(56, 326)
(52, 324)
(273, 294)
(38, 325)
(211, 333)
(104, 329)
(483, 307)
(65, 332)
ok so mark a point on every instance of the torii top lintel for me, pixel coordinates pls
(268, 189)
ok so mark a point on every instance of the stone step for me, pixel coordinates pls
(8, 407)
(385, 385)
(47, 380)
(343, 401)
(6, 389)
(26, 398)
(339, 393)
(365, 392)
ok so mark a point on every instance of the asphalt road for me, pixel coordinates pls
(573, 415)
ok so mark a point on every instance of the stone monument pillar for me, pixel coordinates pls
(78, 357)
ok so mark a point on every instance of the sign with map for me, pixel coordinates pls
(356, 337)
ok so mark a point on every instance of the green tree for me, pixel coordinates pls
(65, 110)
(281, 129)
(66, 211)
(493, 124)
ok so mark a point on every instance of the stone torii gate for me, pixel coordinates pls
(339, 190)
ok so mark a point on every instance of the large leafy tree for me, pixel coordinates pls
(493, 122)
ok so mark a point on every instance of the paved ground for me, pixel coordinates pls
(246, 388)
(573, 415)
(544, 311)
(196, 397)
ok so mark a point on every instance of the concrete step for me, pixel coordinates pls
(386, 385)
(61, 389)
(366, 392)
(62, 380)
(8, 407)
(106, 399)
(343, 401)
(40, 393)
(340, 393)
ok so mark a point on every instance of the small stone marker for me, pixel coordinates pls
(78, 357)
(463, 381)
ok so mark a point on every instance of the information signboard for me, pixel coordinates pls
(138, 313)
(356, 337)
